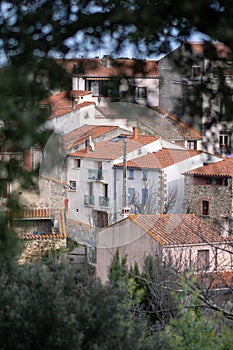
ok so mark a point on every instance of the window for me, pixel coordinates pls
(144, 196)
(203, 259)
(130, 173)
(205, 208)
(73, 185)
(196, 71)
(77, 163)
(224, 141)
(144, 174)
(131, 195)
(142, 92)
(192, 144)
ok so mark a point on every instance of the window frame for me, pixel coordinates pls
(73, 188)
(205, 210)
(203, 259)
(141, 92)
(130, 174)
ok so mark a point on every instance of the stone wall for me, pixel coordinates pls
(36, 249)
(219, 198)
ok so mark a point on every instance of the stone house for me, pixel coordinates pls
(155, 180)
(196, 83)
(208, 194)
(182, 240)
(115, 79)
(40, 229)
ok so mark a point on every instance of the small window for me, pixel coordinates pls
(192, 144)
(77, 163)
(144, 196)
(130, 173)
(73, 185)
(224, 140)
(203, 260)
(131, 195)
(144, 174)
(196, 71)
(205, 208)
(142, 92)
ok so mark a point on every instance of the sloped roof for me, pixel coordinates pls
(222, 168)
(79, 135)
(93, 67)
(222, 50)
(113, 148)
(40, 214)
(62, 102)
(168, 126)
(215, 280)
(176, 229)
(161, 159)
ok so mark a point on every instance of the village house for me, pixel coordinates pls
(110, 79)
(208, 194)
(98, 189)
(155, 181)
(196, 81)
(182, 240)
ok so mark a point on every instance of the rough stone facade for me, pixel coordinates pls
(36, 249)
(220, 202)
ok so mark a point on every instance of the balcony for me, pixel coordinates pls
(104, 202)
(95, 174)
(89, 200)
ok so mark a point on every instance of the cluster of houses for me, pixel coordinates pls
(139, 162)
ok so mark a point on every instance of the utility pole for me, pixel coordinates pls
(125, 209)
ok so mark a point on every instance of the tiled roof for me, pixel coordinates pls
(222, 50)
(62, 102)
(79, 135)
(176, 229)
(215, 280)
(92, 67)
(39, 214)
(114, 148)
(222, 168)
(161, 159)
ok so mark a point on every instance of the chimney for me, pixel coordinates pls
(135, 133)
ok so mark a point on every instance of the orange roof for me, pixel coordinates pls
(62, 102)
(113, 148)
(222, 168)
(175, 229)
(215, 280)
(79, 135)
(161, 159)
(35, 215)
(222, 50)
(93, 67)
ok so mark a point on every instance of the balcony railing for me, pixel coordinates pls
(95, 174)
(103, 201)
(89, 200)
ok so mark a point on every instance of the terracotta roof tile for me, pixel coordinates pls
(92, 67)
(176, 229)
(114, 148)
(222, 50)
(215, 280)
(222, 168)
(79, 135)
(62, 102)
(161, 159)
